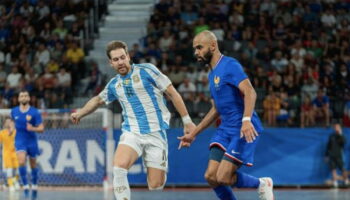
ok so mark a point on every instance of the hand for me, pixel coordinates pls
(75, 118)
(188, 138)
(29, 127)
(248, 131)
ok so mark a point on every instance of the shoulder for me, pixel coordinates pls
(231, 65)
(34, 110)
(112, 81)
(149, 67)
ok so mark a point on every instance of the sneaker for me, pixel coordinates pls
(12, 188)
(265, 189)
(335, 184)
(34, 187)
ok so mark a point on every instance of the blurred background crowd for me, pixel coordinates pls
(296, 53)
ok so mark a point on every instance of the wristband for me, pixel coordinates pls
(246, 119)
(186, 119)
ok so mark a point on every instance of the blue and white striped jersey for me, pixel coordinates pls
(140, 93)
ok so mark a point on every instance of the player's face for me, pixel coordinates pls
(120, 61)
(23, 98)
(202, 51)
(8, 124)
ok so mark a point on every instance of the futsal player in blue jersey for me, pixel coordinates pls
(28, 122)
(233, 144)
(139, 89)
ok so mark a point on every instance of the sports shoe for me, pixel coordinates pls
(34, 187)
(335, 184)
(265, 189)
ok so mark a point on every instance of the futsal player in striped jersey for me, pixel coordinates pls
(140, 89)
(233, 144)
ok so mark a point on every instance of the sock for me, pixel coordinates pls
(246, 181)
(35, 176)
(10, 181)
(224, 193)
(23, 174)
(121, 184)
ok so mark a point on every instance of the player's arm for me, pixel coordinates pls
(209, 118)
(179, 104)
(38, 129)
(88, 108)
(248, 130)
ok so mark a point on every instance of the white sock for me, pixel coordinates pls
(121, 184)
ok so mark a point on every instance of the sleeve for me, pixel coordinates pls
(235, 73)
(108, 94)
(38, 119)
(162, 81)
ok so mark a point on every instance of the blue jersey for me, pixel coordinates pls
(229, 101)
(31, 116)
(140, 94)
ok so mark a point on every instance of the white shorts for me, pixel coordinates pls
(153, 147)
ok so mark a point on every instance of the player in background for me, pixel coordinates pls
(233, 144)
(10, 162)
(28, 122)
(139, 89)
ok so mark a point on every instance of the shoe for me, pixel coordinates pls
(34, 187)
(335, 184)
(265, 189)
(12, 189)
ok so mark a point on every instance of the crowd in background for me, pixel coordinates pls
(296, 54)
(43, 44)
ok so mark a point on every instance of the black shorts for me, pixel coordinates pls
(336, 163)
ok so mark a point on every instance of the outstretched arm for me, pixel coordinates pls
(88, 108)
(179, 104)
(209, 118)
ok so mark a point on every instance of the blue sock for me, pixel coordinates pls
(224, 193)
(35, 176)
(246, 181)
(23, 174)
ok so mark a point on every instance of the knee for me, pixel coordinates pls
(224, 178)
(156, 184)
(211, 178)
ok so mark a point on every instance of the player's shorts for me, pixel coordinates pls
(236, 149)
(10, 161)
(31, 148)
(336, 163)
(153, 147)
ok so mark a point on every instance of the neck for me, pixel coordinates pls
(24, 107)
(215, 59)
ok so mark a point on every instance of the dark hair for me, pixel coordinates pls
(116, 44)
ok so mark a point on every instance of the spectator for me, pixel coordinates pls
(306, 113)
(321, 107)
(272, 106)
(187, 89)
(13, 78)
(334, 155)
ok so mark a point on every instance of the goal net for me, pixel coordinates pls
(74, 155)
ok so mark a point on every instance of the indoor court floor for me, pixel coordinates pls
(179, 194)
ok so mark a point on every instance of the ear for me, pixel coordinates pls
(110, 62)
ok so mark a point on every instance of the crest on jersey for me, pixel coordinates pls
(136, 78)
(216, 81)
(119, 85)
(126, 81)
(28, 117)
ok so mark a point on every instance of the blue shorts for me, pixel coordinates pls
(31, 148)
(236, 148)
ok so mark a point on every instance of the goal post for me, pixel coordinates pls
(74, 155)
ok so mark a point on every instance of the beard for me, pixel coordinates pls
(24, 103)
(205, 60)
